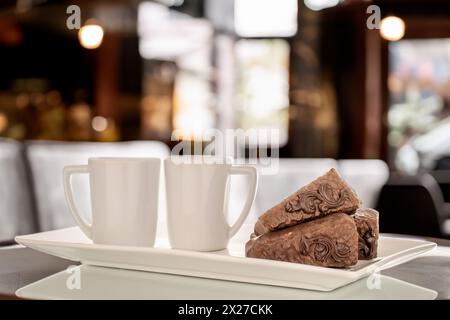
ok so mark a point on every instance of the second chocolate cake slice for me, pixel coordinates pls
(323, 196)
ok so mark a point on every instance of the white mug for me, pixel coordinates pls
(124, 199)
(197, 195)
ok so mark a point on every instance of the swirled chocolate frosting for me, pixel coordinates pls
(326, 195)
(328, 242)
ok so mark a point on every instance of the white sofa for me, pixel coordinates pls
(32, 195)
(16, 200)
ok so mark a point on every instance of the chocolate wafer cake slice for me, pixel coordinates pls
(328, 242)
(366, 221)
(326, 195)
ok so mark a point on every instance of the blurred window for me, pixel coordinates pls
(419, 110)
(167, 35)
(263, 89)
(243, 83)
(265, 18)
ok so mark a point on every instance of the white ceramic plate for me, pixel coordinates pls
(224, 265)
(109, 283)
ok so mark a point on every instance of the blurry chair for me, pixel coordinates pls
(47, 160)
(443, 163)
(413, 205)
(292, 174)
(16, 199)
(366, 177)
(443, 179)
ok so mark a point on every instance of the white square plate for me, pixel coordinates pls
(228, 264)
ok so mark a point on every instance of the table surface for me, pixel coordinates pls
(20, 266)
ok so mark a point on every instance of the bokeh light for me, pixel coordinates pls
(91, 35)
(392, 28)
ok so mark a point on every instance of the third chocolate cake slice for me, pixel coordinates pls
(366, 221)
(326, 195)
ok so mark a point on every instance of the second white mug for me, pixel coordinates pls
(196, 197)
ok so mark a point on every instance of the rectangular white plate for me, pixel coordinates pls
(225, 265)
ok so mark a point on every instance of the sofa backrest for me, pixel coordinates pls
(16, 198)
(366, 177)
(47, 160)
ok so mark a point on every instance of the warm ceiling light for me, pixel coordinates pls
(99, 123)
(392, 28)
(90, 35)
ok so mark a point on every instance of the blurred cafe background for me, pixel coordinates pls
(360, 85)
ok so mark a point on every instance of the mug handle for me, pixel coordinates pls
(68, 192)
(253, 174)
